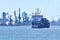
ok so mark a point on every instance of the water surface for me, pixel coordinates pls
(28, 33)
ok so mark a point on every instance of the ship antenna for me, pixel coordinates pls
(38, 11)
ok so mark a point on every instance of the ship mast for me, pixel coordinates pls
(38, 11)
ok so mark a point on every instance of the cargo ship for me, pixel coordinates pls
(38, 21)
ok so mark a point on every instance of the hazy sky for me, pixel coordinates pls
(48, 7)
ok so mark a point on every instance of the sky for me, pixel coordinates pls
(49, 8)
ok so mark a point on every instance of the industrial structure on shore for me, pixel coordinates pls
(17, 22)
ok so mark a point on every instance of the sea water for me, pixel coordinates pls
(29, 33)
